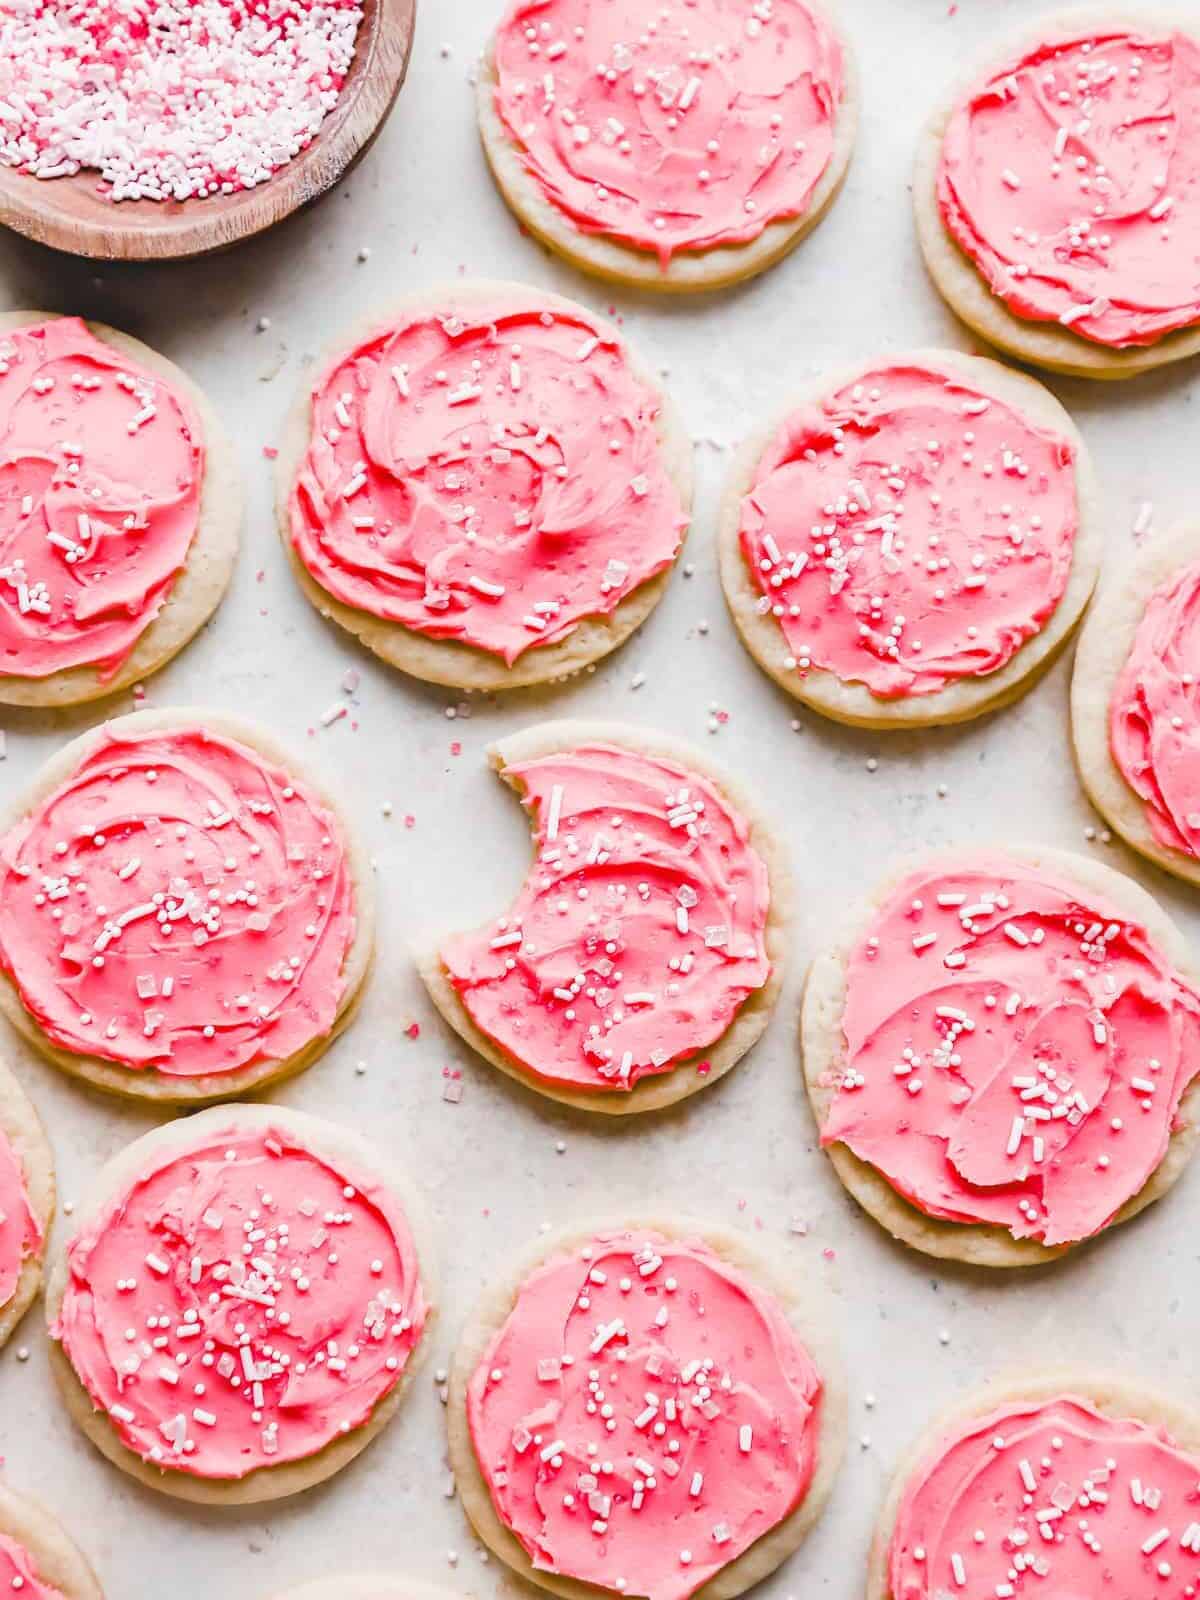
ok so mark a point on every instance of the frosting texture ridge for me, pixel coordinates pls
(1154, 713)
(1071, 178)
(241, 1303)
(1052, 1494)
(179, 904)
(488, 475)
(908, 530)
(644, 1415)
(101, 473)
(638, 933)
(20, 1231)
(696, 127)
(1015, 1050)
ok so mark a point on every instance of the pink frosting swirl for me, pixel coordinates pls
(177, 904)
(101, 471)
(20, 1231)
(274, 1299)
(1016, 1050)
(1154, 713)
(18, 1572)
(487, 475)
(1071, 178)
(908, 530)
(699, 126)
(1049, 1497)
(644, 1415)
(639, 932)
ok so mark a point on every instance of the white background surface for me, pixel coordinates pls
(743, 1150)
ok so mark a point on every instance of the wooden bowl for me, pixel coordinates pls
(70, 214)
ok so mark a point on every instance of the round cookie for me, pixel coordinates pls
(664, 484)
(52, 1554)
(514, 759)
(367, 1588)
(985, 1243)
(1050, 344)
(286, 1340)
(1157, 572)
(712, 266)
(809, 1320)
(194, 594)
(1108, 1395)
(149, 1082)
(23, 1142)
(963, 694)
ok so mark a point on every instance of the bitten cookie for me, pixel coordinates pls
(183, 913)
(37, 1557)
(120, 507)
(26, 1202)
(1001, 1053)
(278, 1280)
(686, 155)
(1057, 193)
(648, 1408)
(1135, 704)
(643, 955)
(1072, 1478)
(485, 486)
(913, 541)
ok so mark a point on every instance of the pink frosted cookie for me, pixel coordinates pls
(276, 1283)
(1068, 1484)
(642, 956)
(913, 541)
(26, 1202)
(1001, 1054)
(182, 913)
(680, 151)
(1058, 195)
(1135, 701)
(645, 1409)
(119, 510)
(486, 488)
(38, 1560)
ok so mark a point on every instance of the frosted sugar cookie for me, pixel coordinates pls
(1067, 1483)
(485, 487)
(686, 151)
(37, 1558)
(913, 541)
(1058, 193)
(1135, 706)
(1001, 1052)
(119, 510)
(26, 1204)
(649, 1408)
(183, 914)
(277, 1281)
(643, 955)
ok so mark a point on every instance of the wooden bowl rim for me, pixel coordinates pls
(155, 230)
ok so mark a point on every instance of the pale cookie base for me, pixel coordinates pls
(22, 1127)
(957, 279)
(806, 1310)
(823, 1046)
(198, 588)
(607, 257)
(667, 1088)
(1111, 1395)
(56, 1558)
(1104, 647)
(845, 700)
(448, 661)
(148, 1083)
(340, 1147)
(369, 1588)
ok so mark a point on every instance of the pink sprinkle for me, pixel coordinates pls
(270, 452)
